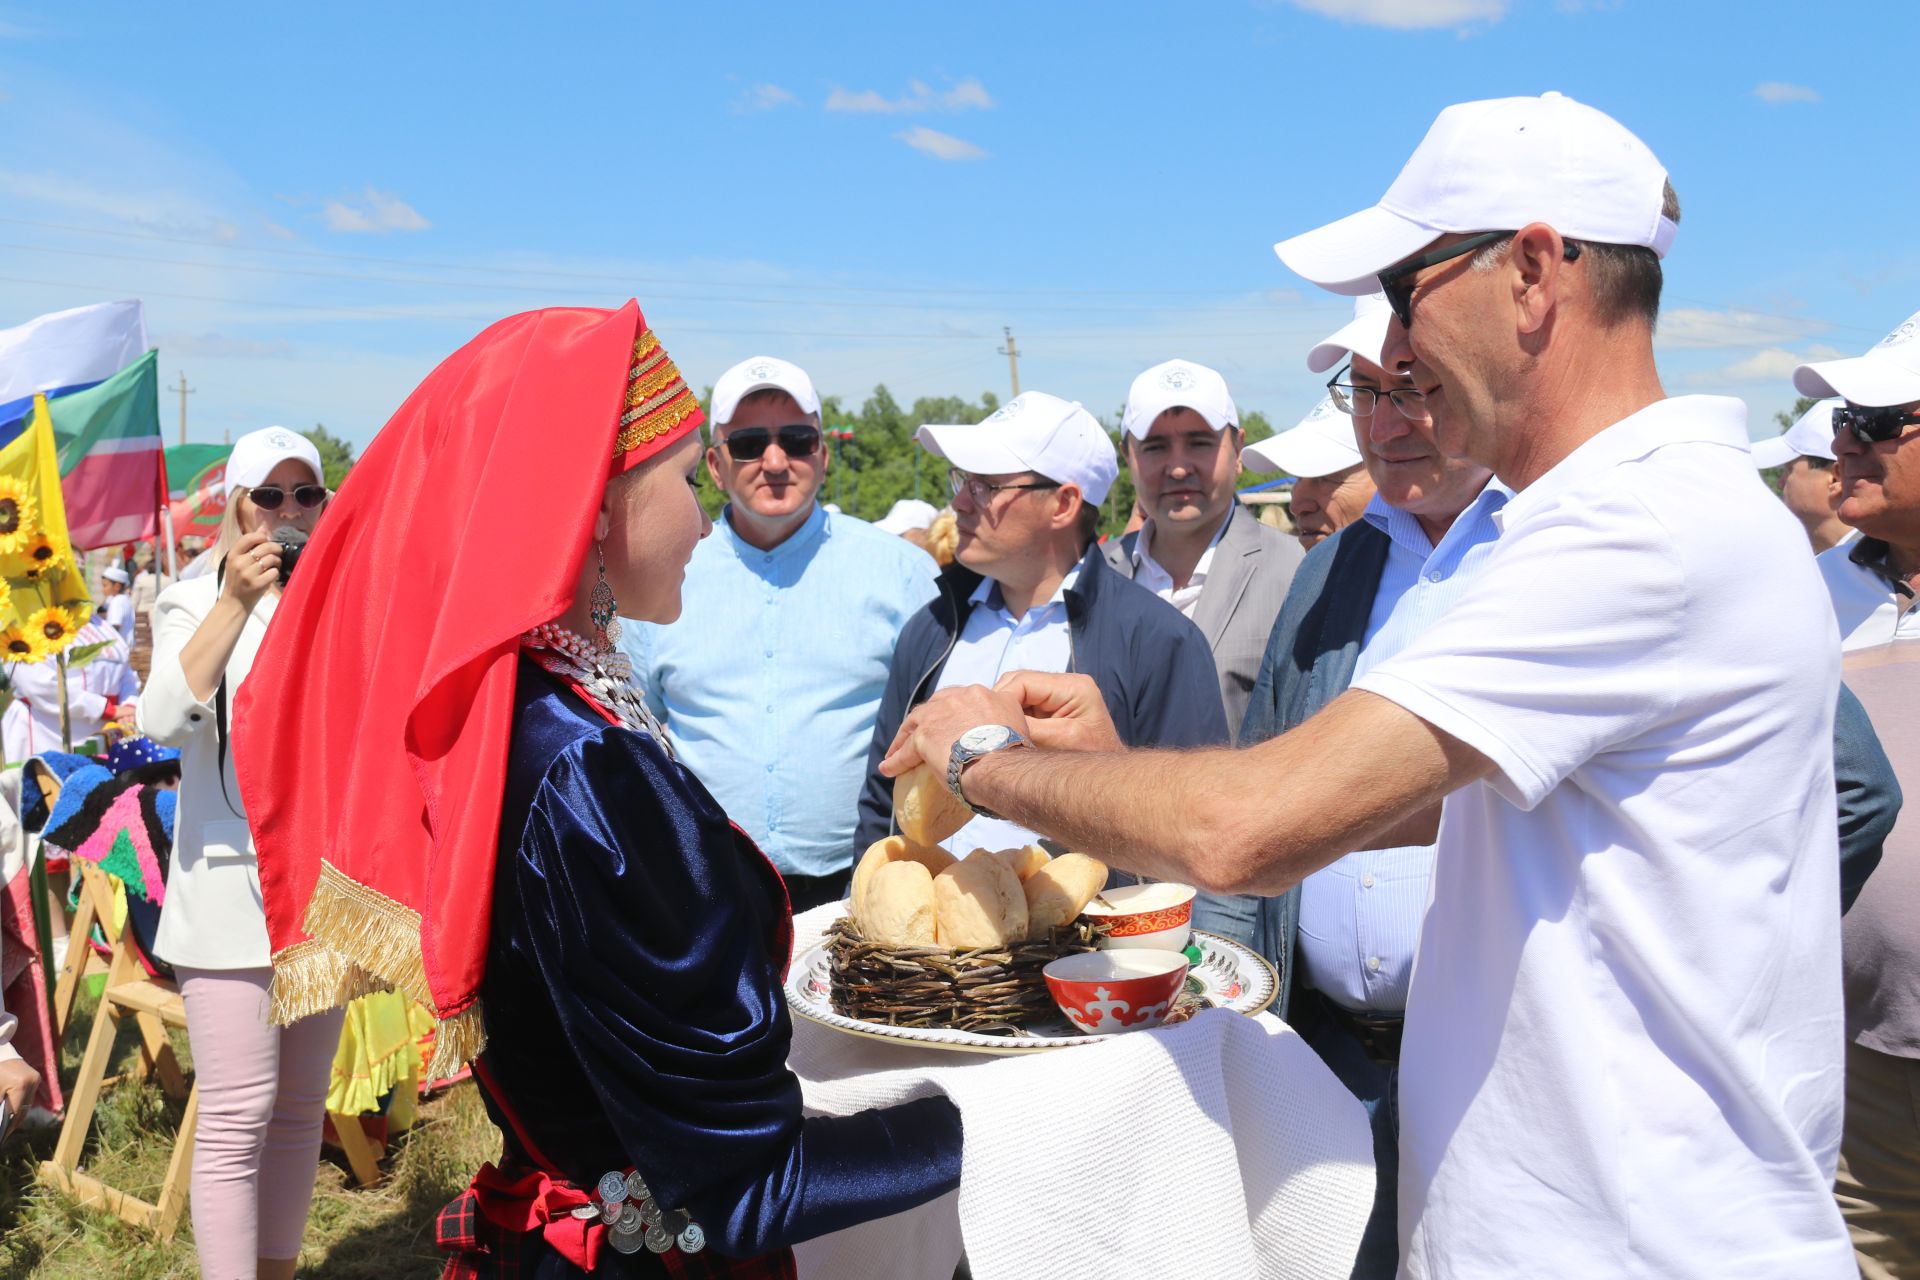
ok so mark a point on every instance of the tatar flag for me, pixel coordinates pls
(65, 352)
(112, 464)
(197, 488)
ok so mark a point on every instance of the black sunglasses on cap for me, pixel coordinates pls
(1397, 281)
(270, 497)
(800, 440)
(1871, 426)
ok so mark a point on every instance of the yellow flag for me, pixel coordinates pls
(46, 599)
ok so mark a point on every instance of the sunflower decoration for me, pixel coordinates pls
(42, 557)
(6, 598)
(51, 628)
(79, 612)
(19, 519)
(16, 644)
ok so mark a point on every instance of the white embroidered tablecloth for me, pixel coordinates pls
(1219, 1148)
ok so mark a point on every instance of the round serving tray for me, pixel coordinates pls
(1229, 976)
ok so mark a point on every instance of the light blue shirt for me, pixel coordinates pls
(1360, 916)
(992, 643)
(770, 681)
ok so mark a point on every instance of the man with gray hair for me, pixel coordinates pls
(1622, 1049)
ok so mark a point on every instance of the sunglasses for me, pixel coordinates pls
(1871, 426)
(270, 497)
(801, 440)
(1397, 281)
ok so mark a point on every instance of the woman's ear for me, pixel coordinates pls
(603, 518)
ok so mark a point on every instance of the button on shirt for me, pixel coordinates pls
(770, 681)
(1870, 604)
(1623, 1047)
(1148, 573)
(992, 643)
(1360, 916)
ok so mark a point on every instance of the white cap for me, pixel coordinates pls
(1177, 384)
(908, 513)
(1810, 437)
(757, 374)
(1365, 335)
(1498, 165)
(257, 453)
(114, 573)
(1032, 432)
(1319, 445)
(1887, 375)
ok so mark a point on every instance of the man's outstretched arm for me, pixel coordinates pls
(1363, 773)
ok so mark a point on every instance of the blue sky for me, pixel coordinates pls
(318, 202)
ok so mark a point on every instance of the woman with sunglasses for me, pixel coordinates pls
(461, 794)
(262, 1087)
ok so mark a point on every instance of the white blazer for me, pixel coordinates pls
(213, 917)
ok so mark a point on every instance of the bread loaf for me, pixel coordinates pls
(899, 909)
(978, 903)
(1024, 861)
(892, 849)
(1060, 890)
(924, 810)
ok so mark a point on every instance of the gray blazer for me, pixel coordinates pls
(1246, 584)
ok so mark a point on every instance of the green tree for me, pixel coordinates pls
(1787, 417)
(336, 455)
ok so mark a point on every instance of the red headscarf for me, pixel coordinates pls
(371, 736)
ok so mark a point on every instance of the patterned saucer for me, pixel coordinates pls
(1229, 976)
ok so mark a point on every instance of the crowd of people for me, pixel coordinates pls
(1525, 756)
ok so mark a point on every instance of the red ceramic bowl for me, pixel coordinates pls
(1103, 991)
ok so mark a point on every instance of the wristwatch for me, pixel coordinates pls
(970, 746)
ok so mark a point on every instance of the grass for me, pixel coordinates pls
(383, 1232)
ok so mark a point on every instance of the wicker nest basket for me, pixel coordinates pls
(995, 990)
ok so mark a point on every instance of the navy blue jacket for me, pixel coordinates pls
(1310, 661)
(1153, 667)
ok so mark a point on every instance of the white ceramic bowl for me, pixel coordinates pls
(1155, 916)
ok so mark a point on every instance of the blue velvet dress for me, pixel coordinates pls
(634, 1012)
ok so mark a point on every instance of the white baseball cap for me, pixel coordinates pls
(257, 453)
(1887, 375)
(757, 374)
(1177, 384)
(114, 573)
(1498, 165)
(1810, 437)
(1365, 335)
(1319, 445)
(908, 513)
(1032, 432)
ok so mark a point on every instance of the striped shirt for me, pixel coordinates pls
(1360, 916)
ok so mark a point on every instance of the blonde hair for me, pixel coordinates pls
(230, 530)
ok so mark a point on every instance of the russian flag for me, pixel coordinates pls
(65, 352)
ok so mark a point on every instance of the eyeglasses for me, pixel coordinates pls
(1871, 426)
(799, 440)
(981, 491)
(1397, 281)
(270, 497)
(1360, 402)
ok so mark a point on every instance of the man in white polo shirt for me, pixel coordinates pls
(1876, 439)
(1622, 1052)
(1809, 481)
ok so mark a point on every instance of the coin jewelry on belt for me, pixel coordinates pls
(637, 1221)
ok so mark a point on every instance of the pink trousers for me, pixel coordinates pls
(263, 1092)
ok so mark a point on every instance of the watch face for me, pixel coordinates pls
(986, 737)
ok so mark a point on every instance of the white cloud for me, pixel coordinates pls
(967, 95)
(1696, 327)
(146, 207)
(1770, 365)
(382, 212)
(218, 346)
(1407, 15)
(764, 97)
(1779, 92)
(941, 146)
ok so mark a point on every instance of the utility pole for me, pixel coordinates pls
(1011, 351)
(184, 391)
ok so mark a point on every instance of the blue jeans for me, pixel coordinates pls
(1377, 1085)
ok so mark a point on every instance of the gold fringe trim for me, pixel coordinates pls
(361, 942)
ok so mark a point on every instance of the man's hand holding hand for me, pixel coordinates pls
(1064, 712)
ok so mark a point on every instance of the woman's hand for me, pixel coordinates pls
(253, 566)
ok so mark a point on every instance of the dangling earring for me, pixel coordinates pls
(603, 609)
